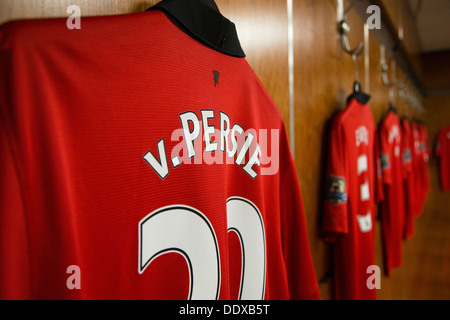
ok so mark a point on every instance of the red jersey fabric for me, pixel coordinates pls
(443, 152)
(393, 205)
(423, 133)
(136, 164)
(420, 161)
(408, 178)
(350, 200)
(416, 163)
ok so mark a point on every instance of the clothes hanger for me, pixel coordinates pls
(392, 108)
(384, 77)
(343, 30)
(358, 93)
(356, 86)
(405, 115)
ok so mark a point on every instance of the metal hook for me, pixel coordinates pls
(355, 66)
(344, 29)
(384, 76)
(385, 69)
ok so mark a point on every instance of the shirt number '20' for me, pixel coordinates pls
(365, 220)
(187, 231)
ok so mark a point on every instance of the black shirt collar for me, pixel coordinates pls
(204, 23)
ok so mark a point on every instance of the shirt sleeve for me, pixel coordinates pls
(335, 219)
(385, 155)
(14, 272)
(379, 191)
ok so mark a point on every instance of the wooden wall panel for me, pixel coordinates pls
(402, 18)
(324, 76)
(320, 90)
(19, 9)
(262, 29)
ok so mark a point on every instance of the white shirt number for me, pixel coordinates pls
(188, 232)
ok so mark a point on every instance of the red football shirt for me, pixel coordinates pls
(425, 160)
(139, 163)
(416, 164)
(443, 152)
(393, 205)
(420, 162)
(350, 200)
(409, 178)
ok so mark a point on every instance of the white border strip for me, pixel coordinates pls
(366, 59)
(290, 14)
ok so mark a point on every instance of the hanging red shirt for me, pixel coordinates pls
(409, 178)
(443, 152)
(393, 205)
(417, 168)
(139, 156)
(350, 200)
(424, 146)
